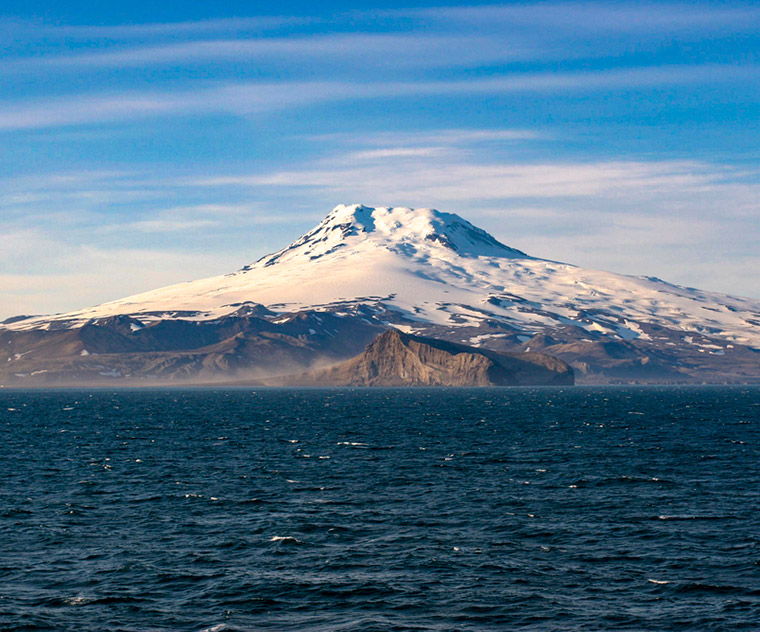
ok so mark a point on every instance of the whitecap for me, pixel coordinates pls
(658, 581)
(219, 627)
(285, 539)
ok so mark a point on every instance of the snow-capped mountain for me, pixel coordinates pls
(437, 268)
(433, 273)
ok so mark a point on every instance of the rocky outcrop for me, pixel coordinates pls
(397, 359)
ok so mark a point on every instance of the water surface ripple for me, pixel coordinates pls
(380, 510)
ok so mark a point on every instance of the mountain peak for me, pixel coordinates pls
(403, 230)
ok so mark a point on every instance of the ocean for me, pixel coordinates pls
(542, 509)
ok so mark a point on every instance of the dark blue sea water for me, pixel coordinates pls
(307, 510)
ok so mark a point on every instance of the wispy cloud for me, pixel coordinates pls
(401, 175)
(435, 37)
(247, 98)
(453, 136)
(380, 49)
(396, 152)
(138, 31)
(593, 16)
(62, 276)
(202, 217)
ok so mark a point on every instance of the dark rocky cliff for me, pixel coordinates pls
(397, 359)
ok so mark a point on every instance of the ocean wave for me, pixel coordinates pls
(286, 539)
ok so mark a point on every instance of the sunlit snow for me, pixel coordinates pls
(437, 268)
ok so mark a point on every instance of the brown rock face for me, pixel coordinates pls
(396, 359)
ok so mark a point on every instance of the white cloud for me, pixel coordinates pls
(401, 175)
(89, 32)
(249, 98)
(395, 152)
(647, 17)
(358, 49)
(201, 217)
(452, 136)
(61, 277)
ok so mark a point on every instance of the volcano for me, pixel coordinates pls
(364, 270)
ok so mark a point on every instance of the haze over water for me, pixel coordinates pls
(316, 510)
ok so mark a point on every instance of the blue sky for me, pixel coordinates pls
(152, 143)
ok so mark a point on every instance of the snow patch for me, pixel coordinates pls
(477, 340)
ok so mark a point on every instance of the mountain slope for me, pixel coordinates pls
(396, 359)
(435, 274)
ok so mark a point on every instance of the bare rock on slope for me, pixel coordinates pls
(397, 359)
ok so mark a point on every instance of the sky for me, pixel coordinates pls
(143, 144)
